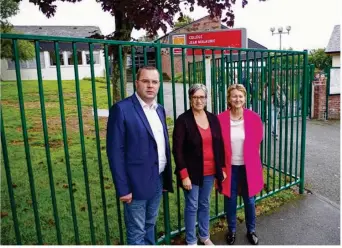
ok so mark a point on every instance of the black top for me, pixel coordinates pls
(188, 149)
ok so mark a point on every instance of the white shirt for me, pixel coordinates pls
(237, 136)
(157, 130)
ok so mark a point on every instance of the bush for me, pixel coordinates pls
(179, 78)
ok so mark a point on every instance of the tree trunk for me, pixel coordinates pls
(123, 30)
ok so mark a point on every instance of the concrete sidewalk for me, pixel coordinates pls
(311, 220)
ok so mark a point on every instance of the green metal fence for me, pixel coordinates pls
(57, 187)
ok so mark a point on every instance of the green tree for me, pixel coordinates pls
(150, 15)
(183, 20)
(25, 48)
(320, 59)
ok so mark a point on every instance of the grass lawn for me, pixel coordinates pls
(19, 171)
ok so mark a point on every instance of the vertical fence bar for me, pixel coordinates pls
(246, 80)
(280, 120)
(65, 141)
(122, 94)
(107, 76)
(26, 144)
(304, 111)
(255, 85)
(179, 221)
(231, 67)
(9, 180)
(275, 102)
(292, 112)
(133, 67)
(190, 75)
(122, 87)
(227, 82)
(214, 87)
(99, 156)
(184, 79)
(165, 194)
(46, 142)
(239, 64)
(263, 119)
(269, 116)
(204, 68)
(297, 111)
(287, 117)
(145, 55)
(194, 78)
(223, 83)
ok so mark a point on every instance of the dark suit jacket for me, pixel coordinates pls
(132, 150)
(188, 150)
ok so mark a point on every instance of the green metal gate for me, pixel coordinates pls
(57, 187)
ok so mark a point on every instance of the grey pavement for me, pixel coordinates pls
(322, 162)
(312, 220)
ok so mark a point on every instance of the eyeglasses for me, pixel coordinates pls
(195, 98)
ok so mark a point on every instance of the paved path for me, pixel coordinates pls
(310, 221)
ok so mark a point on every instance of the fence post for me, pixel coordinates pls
(166, 207)
(304, 114)
(208, 82)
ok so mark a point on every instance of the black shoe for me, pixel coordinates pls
(231, 236)
(252, 238)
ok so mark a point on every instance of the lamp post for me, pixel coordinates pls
(280, 32)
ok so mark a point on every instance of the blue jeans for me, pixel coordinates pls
(197, 203)
(230, 203)
(140, 218)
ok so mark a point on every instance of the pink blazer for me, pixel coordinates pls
(253, 138)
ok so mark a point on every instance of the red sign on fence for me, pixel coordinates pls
(223, 38)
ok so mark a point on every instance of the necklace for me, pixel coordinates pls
(238, 119)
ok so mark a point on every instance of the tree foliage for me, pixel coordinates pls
(25, 48)
(320, 59)
(150, 15)
(8, 8)
(184, 20)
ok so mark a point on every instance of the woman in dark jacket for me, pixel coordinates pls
(199, 155)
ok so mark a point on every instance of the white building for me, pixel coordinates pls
(48, 57)
(333, 47)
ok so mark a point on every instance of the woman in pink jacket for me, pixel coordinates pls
(242, 135)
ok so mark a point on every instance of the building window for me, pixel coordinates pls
(96, 56)
(28, 64)
(53, 58)
(71, 60)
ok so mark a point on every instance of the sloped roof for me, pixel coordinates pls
(68, 31)
(181, 28)
(334, 42)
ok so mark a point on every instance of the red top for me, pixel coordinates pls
(208, 154)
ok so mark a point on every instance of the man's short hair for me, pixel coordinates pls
(145, 67)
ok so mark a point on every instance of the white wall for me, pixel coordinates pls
(49, 72)
(336, 61)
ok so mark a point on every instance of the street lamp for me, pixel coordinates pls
(280, 32)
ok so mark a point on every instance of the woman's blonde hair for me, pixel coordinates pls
(238, 87)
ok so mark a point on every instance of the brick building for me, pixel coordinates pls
(201, 25)
(332, 84)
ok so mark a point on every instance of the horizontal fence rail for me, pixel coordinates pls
(57, 187)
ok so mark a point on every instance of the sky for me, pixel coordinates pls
(311, 21)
